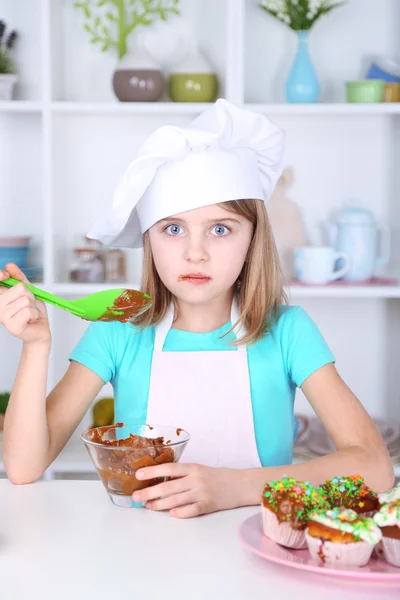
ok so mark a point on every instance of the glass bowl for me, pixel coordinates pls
(119, 450)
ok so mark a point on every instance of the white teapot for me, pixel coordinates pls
(356, 233)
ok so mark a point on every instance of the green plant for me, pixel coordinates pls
(4, 398)
(7, 43)
(299, 15)
(122, 17)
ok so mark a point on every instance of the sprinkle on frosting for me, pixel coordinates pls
(300, 493)
(347, 488)
(347, 520)
(388, 515)
(391, 495)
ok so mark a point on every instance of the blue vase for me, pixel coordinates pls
(302, 85)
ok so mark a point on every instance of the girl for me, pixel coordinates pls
(218, 354)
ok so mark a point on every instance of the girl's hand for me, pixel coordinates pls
(21, 314)
(194, 489)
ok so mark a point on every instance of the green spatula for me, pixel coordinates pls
(111, 305)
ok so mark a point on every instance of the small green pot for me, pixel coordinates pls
(193, 87)
(368, 90)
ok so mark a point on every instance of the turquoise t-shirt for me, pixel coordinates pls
(278, 363)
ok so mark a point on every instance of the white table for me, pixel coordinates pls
(66, 540)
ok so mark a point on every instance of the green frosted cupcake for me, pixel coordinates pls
(351, 492)
(341, 537)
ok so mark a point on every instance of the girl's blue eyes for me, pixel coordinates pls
(219, 230)
(173, 229)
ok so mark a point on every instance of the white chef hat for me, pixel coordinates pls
(227, 153)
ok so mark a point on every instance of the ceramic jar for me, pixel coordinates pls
(138, 78)
(193, 80)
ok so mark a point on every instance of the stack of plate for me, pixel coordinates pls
(15, 249)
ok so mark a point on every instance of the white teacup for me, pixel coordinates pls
(316, 264)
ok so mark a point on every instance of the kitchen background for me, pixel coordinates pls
(72, 116)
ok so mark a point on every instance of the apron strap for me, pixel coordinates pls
(162, 328)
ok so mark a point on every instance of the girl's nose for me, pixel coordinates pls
(196, 251)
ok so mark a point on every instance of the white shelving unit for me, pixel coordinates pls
(65, 141)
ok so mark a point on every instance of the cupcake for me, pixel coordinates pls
(286, 506)
(390, 496)
(342, 538)
(351, 492)
(388, 519)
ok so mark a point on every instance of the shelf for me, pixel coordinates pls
(323, 291)
(321, 109)
(21, 106)
(187, 108)
(348, 292)
(74, 458)
(123, 108)
(78, 289)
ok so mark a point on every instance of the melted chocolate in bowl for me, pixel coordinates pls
(118, 451)
(127, 306)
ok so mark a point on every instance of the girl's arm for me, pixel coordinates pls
(195, 489)
(35, 428)
(360, 448)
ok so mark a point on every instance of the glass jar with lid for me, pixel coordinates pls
(86, 267)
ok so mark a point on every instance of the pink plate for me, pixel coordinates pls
(252, 537)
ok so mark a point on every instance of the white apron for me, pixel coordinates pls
(206, 393)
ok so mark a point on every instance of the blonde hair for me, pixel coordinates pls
(259, 286)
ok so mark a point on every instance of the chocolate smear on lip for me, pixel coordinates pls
(185, 277)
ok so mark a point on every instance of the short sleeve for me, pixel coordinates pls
(97, 350)
(306, 348)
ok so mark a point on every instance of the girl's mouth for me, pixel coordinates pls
(195, 278)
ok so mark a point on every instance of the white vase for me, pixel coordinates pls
(7, 83)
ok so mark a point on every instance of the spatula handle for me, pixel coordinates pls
(42, 295)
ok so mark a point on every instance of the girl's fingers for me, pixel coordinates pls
(14, 271)
(17, 291)
(162, 490)
(188, 511)
(171, 502)
(13, 308)
(13, 292)
(164, 470)
(4, 275)
(20, 322)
